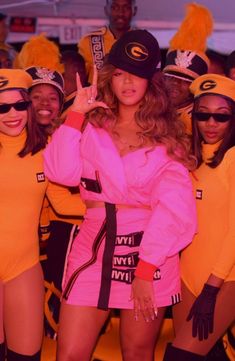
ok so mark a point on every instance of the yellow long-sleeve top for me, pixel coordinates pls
(22, 189)
(94, 46)
(65, 205)
(60, 205)
(213, 248)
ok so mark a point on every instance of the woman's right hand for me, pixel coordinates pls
(143, 297)
(85, 98)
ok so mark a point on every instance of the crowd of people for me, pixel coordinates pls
(119, 167)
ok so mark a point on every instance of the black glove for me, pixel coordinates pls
(202, 312)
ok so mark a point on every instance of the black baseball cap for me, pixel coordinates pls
(136, 52)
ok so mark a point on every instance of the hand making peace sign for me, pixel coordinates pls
(85, 97)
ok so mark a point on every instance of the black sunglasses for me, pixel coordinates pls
(20, 106)
(218, 117)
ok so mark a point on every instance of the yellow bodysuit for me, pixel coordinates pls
(213, 247)
(22, 189)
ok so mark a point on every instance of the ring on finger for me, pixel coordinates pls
(90, 101)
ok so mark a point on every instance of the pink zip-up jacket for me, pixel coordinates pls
(145, 177)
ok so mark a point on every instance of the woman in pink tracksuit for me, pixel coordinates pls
(131, 161)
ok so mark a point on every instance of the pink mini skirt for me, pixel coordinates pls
(83, 274)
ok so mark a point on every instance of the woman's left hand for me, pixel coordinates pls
(85, 99)
(143, 298)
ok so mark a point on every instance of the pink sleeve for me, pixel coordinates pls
(173, 221)
(62, 161)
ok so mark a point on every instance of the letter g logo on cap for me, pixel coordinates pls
(3, 81)
(136, 51)
(208, 85)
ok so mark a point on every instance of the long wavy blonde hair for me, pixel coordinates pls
(156, 117)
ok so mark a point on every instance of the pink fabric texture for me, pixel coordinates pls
(143, 177)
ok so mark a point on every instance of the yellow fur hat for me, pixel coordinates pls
(213, 84)
(41, 52)
(186, 57)
(11, 79)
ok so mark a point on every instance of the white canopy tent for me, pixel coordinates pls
(70, 19)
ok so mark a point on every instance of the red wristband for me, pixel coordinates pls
(145, 270)
(74, 120)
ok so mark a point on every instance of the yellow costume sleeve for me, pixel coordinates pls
(64, 202)
(94, 46)
(226, 258)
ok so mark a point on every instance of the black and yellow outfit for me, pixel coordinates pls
(212, 251)
(22, 189)
(61, 217)
(213, 248)
(94, 46)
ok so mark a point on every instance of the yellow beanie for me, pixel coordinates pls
(11, 79)
(213, 84)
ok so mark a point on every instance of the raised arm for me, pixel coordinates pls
(62, 159)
